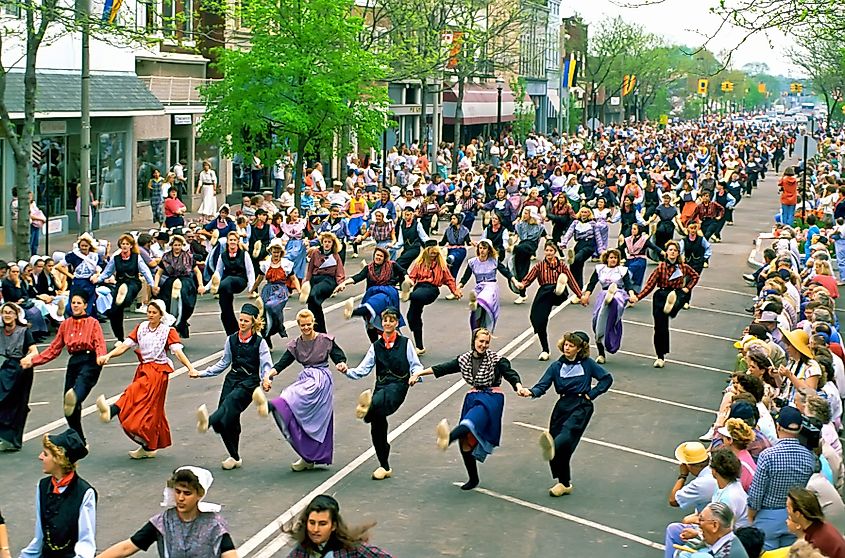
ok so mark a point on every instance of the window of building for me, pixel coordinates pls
(151, 155)
(177, 18)
(12, 8)
(109, 182)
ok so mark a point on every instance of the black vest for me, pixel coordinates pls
(392, 365)
(496, 238)
(694, 249)
(262, 234)
(124, 270)
(60, 517)
(410, 235)
(246, 361)
(233, 266)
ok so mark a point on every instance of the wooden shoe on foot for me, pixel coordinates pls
(122, 290)
(381, 473)
(202, 418)
(442, 431)
(365, 399)
(69, 404)
(304, 292)
(671, 299)
(141, 453)
(348, 308)
(103, 408)
(547, 446)
(560, 489)
(231, 463)
(260, 400)
(301, 465)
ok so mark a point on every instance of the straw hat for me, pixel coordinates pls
(691, 453)
(799, 339)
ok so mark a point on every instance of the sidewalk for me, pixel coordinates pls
(64, 242)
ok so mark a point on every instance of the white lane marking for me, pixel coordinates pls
(725, 312)
(681, 362)
(610, 445)
(699, 286)
(38, 403)
(569, 517)
(664, 401)
(678, 330)
(38, 432)
(281, 539)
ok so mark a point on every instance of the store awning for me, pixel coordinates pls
(480, 104)
(553, 100)
(59, 95)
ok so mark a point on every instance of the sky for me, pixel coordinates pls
(690, 22)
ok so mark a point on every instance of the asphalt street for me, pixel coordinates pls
(622, 471)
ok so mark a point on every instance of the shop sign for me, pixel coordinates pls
(53, 127)
(182, 119)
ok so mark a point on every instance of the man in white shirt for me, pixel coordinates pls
(287, 198)
(318, 183)
(337, 196)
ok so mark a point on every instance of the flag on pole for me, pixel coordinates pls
(110, 10)
(570, 72)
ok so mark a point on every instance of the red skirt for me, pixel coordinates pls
(142, 406)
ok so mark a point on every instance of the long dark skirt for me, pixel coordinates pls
(15, 387)
(482, 415)
(133, 287)
(322, 287)
(82, 375)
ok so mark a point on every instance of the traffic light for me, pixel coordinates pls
(727, 86)
(796, 88)
(761, 87)
(702, 86)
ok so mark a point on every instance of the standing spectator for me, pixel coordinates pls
(783, 466)
(256, 173)
(788, 188)
(278, 177)
(207, 188)
(37, 219)
(318, 182)
(179, 177)
(156, 203)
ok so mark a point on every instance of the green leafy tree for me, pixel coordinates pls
(824, 60)
(304, 78)
(523, 112)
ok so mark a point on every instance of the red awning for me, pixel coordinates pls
(480, 104)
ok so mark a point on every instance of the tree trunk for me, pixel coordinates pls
(21, 233)
(424, 119)
(297, 171)
(459, 115)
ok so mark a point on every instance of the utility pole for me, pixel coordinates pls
(85, 136)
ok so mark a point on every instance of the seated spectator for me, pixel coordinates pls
(806, 520)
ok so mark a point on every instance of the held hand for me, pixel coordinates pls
(585, 299)
(524, 392)
(413, 379)
(267, 384)
(103, 360)
(342, 367)
(156, 290)
(688, 534)
(632, 300)
(26, 362)
(193, 373)
(94, 278)
(459, 294)
(201, 289)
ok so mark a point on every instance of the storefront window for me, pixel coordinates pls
(50, 173)
(152, 155)
(109, 184)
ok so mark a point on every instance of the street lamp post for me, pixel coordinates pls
(499, 86)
